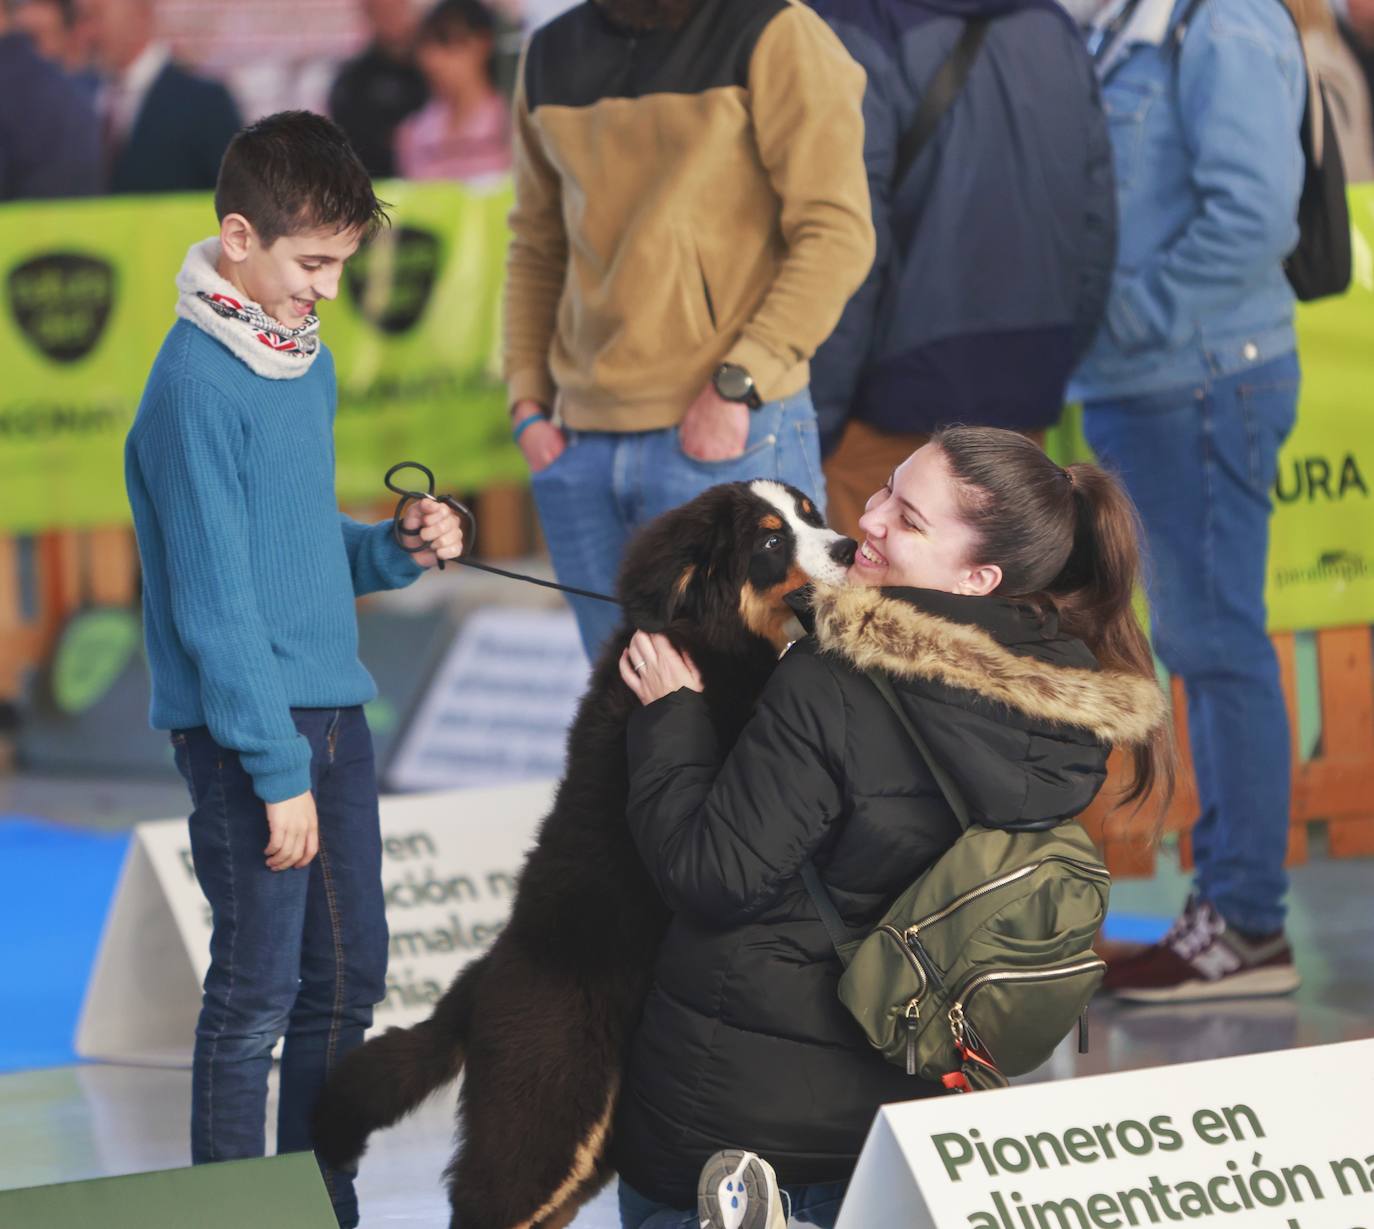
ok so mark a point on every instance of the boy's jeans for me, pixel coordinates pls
(810, 1207)
(1200, 464)
(606, 485)
(300, 953)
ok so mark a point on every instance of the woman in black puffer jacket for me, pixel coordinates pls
(994, 590)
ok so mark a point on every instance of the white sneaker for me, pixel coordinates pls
(738, 1190)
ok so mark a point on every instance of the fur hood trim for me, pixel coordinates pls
(875, 630)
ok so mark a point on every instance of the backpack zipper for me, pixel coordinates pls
(958, 1025)
(911, 957)
(992, 885)
(911, 1017)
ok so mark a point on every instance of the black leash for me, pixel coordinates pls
(464, 514)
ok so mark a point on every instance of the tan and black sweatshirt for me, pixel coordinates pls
(683, 198)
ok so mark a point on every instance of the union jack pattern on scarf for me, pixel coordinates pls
(272, 334)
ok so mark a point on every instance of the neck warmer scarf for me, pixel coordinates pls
(213, 305)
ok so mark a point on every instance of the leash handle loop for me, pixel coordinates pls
(407, 497)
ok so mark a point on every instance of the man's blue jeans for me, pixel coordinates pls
(294, 953)
(815, 1206)
(1200, 464)
(606, 485)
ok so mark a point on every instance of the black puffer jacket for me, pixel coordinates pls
(743, 1042)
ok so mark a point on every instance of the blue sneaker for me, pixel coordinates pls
(738, 1190)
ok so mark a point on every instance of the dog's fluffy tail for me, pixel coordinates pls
(386, 1078)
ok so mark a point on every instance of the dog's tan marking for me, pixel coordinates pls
(562, 1219)
(771, 522)
(765, 613)
(680, 589)
(755, 611)
(806, 506)
(585, 1161)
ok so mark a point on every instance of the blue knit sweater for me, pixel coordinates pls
(249, 568)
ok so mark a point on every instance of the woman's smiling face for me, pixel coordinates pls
(914, 535)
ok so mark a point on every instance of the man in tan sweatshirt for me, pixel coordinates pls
(691, 217)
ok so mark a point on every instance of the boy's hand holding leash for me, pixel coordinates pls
(438, 526)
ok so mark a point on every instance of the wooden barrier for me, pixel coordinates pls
(1335, 786)
(46, 579)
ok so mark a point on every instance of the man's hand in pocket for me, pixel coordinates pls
(714, 429)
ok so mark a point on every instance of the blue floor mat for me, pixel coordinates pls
(56, 884)
(1135, 928)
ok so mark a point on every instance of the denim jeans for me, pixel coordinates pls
(606, 485)
(295, 953)
(817, 1206)
(1200, 464)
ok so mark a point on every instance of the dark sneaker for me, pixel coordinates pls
(1202, 958)
(738, 1190)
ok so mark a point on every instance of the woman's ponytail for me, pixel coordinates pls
(1095, 593)
(1068, 539)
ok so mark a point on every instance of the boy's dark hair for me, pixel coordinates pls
(450, 20)
(296, 171)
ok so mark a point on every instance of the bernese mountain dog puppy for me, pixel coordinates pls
(539, 1024)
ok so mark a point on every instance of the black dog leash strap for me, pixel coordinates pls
(464, 514)
(534, 580)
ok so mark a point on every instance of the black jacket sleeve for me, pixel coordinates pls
(720, 839)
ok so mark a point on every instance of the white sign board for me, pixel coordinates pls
(1281, 1141)
(500, 704)
(449, 867)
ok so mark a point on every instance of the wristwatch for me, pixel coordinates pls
(733, 383)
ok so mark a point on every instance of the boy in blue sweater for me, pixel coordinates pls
(249, 579)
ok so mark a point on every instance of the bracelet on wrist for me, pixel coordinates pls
(519, 428)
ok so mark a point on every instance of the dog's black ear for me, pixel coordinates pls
(679, 562)
(684, 598)
(654, 563)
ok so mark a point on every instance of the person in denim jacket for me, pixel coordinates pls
(1189, 390)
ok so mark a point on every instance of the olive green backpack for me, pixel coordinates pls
(981, 967)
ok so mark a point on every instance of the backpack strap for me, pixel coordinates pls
(945, 86)
(942, 778)
(810, 877)
(825, 906)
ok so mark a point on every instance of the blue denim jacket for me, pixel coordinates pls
(1209, 169)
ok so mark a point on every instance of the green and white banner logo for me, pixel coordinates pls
(392, 279)
(60, 302)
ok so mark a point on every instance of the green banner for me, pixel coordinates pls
(1321, 558)
(88, 291)
(1321, 561)
(88, 295)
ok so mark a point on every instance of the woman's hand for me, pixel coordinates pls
(652, 668)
